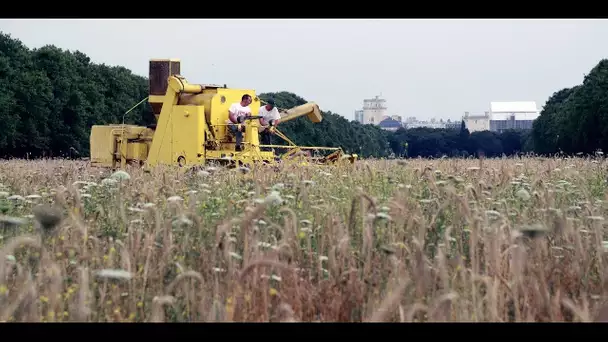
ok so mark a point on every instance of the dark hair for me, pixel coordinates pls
(245, 97)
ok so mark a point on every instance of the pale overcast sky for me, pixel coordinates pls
(423, 68)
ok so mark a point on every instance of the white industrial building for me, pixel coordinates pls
(503, 116)
(512, 115)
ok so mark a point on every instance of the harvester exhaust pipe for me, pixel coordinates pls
(159, 72)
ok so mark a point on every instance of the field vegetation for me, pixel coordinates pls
(416, 240)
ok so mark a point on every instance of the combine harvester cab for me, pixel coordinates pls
(191, 129)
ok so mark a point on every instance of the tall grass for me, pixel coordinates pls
(441, 240)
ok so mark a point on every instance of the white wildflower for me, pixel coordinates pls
(274, 198)
(523, 194)
(264, 244)
(236, 256)
(120, 175)
(108, 181)
(492, 213)
(384, 216)
(12, 220)
(114, 274)
(182, 221)
(174, 199)
(203, 173)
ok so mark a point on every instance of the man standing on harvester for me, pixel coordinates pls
(269, 118)
(237, 113)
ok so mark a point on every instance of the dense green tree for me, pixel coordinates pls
(545, 130)
(52, 97)
(574, 120)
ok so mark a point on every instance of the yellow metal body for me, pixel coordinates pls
(115, 145)
(191, 127)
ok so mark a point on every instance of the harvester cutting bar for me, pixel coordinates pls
(303, 147)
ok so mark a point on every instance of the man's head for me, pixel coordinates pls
(245, 100)
(269, 104)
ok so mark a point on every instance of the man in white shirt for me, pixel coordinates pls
(269, 118)
(236, 114)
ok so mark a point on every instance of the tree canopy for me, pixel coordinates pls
(574, 120)
(51, 98)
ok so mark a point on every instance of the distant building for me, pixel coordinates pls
(503, 116)
(477, 123)
(411, 119)
(453, 124)
(512, 115)
(390, 124)
(359, 116)
(373, 111)
(427, 124)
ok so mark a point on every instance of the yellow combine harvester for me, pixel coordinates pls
(191, 128)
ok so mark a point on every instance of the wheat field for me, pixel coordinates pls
(381, 240)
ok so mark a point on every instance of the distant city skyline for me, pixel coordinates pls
(423, 68)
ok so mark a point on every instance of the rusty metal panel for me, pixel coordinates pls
(175, 68)
(159, 73)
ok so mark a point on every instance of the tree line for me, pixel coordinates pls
(51, 97)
